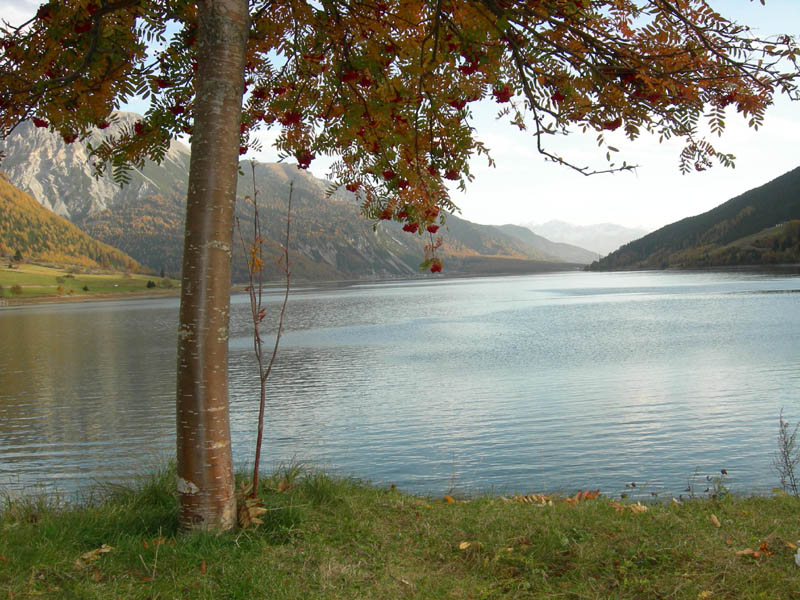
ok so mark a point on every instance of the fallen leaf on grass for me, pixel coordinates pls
(791, 546)
(3, 558)
(582, 495)
(764, 548)
(634, 508)
(539, 499)
(203, 566)
(91, 556)
(464, 545)
(746, 552)
(449, 499)
(715, 521)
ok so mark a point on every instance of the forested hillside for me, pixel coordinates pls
(758, 227)
(36, 233)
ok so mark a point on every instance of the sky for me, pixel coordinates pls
(523, 188)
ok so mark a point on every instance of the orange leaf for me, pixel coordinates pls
(745, 552)
(449, 499)
(145, 544)
(3, 558)
(203, 566)
(715, 521)
(464, 545)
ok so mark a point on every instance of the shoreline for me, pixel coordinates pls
(7, 303)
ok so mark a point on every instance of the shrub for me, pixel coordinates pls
(16, 290)
(151, 283)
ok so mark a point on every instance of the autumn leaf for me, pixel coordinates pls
(449, 499)
(464, 545)
(715, 521)
(203, 566)
(91, 556)
(539, 499)
(283, 485)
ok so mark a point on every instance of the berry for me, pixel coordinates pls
(436, 266)
(290, 117)
(304, 158)
(410, 227)
(388, 174)
(502, 95)
(432, 228)
(40, 122)
(451, 174)
(353, 186)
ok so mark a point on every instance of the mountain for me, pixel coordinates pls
(761, 226)
(330, 240)
(28, 227)
(558, 250)
(599, 239)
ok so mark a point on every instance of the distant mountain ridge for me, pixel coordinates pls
(563, 251)
(602, 238)
(330, 240)
(761, 226)
(34, 231)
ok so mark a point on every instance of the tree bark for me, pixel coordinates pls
(205, 467)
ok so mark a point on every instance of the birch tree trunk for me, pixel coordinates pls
(205, 468)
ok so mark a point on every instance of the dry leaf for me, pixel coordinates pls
(678, 502)
(764, 548)
(96, 576)
(464, 545)
(249, 512)
(449, 499)
(540, 499)
(634, 508)
(715, 521)
(3, 558)
(284, 485)
(91, 556)
(745, 552)
(704, 595)
(789, 545)
(203, 566)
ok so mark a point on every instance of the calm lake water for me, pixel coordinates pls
(538, 383)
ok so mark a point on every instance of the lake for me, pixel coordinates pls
(552, 382)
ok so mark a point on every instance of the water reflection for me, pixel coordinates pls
(546, 382)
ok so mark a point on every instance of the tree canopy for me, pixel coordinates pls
(386, 86)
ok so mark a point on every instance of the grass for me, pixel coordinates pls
(335, 538)
(41, 281)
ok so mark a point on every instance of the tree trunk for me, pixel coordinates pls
(205, 466)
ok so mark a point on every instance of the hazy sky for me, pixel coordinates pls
(523, 188)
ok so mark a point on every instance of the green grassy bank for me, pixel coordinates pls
(22, 283)
(333, 538)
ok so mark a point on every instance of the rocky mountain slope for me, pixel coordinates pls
(759, 227)
(330, 240)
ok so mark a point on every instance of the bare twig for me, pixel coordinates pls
(256, 291)
(787, 457)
